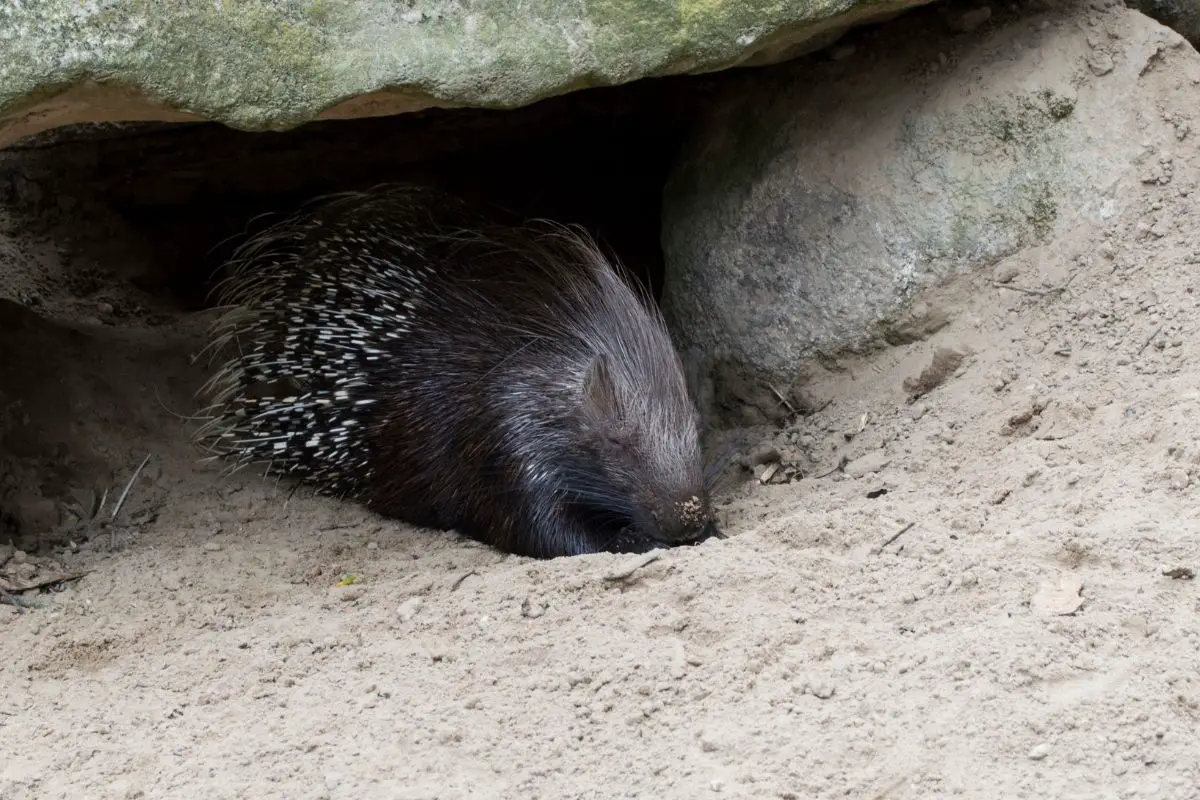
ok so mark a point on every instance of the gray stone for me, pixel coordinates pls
(1181, 15)
(813, 203)
(876, 461)
(275, 64)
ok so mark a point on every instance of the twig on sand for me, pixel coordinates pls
(1037, 293)
(48, 580)
(894, 537)
(842, 462)
(454, 586)
(13, 594)
(782, 399)
(627, 570)
(128, 486)
(121, 501)
(1149, 339)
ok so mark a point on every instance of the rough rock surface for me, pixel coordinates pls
(271, 64)
(808, 209)
(1182, 15)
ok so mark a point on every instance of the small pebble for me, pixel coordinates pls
(1100, 63)
(821, 690)
(212, 547)
(679, 661)
(24, 572)
(1005, 272)
(532, 608)
(1038, 752)
(333, 781)
(871, 462)
(1179, 479)
(122, 788)
(408, 609)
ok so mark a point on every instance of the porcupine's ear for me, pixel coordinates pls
(601, 407)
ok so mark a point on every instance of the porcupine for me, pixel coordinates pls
(402, 348)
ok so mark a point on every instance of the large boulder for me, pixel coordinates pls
(275, 64)
(1182, 15)
(811, 205)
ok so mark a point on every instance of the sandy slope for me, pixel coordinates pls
(997, 624)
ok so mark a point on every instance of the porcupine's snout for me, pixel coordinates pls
(680, 521)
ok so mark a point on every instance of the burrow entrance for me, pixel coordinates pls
(110, 236)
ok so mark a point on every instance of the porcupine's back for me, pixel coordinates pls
(397, 347)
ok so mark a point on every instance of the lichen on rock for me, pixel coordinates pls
(274, 64)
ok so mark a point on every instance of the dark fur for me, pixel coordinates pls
(501, 380)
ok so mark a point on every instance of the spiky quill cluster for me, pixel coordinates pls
(311, 305)
(397, 347)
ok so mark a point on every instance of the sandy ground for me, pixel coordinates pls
(991, 597)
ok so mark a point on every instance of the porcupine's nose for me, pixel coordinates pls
(692, 522)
